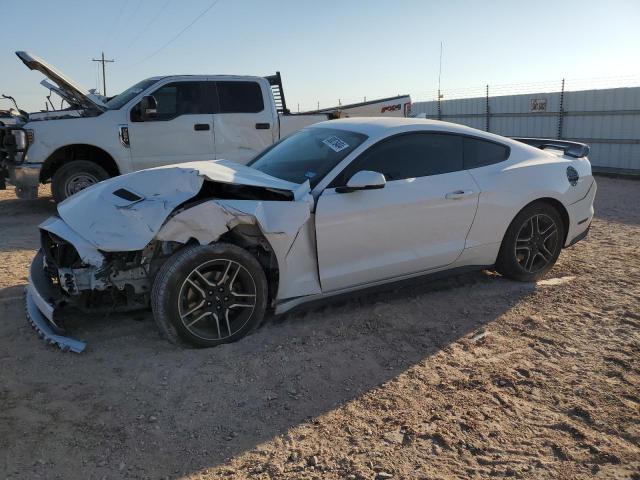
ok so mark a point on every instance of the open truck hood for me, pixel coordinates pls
(73, 91)
(125, 213)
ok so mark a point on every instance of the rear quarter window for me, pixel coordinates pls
(240, 97)
(480, 153)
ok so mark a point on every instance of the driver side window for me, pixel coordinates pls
(178, 98)
(408, 155)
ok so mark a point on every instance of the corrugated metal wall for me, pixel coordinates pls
(608, 120)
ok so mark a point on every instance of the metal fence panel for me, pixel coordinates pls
(607, 119)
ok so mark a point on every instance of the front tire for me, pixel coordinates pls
(74, 176)
(209, 294)
(532, 243)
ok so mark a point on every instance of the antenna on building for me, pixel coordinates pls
(440, 73)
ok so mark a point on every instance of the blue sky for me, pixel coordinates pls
(326, 50)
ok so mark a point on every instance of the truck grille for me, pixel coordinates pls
(58, 252)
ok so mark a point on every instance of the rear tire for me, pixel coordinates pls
(208, 295)
(532, 243)
(74, 176)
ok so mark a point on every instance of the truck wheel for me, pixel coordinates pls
(209, 295)
(74, 176)
(532, 243)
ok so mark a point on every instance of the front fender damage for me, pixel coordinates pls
(287, 226)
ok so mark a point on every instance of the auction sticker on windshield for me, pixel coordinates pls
(334, 143)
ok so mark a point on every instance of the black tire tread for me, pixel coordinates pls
(164, 281)
(73, 167)
(506, 264)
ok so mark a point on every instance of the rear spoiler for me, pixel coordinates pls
(571, 149)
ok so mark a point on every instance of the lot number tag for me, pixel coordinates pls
(335, 144)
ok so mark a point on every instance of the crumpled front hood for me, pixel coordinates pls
(129, 219)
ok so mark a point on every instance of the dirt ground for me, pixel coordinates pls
(470, 377)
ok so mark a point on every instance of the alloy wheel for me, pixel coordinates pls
(217, 299)
(536, 243)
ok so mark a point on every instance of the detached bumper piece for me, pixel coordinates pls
(579, 237)
(39, 310)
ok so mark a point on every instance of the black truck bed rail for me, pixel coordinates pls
(278, 92)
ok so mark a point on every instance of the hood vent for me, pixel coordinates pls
(127, 195)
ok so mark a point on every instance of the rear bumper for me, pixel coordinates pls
(40, 308)
(581, 236)
(581, 216)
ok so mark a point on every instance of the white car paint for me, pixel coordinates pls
(383, 242)
(328, 242)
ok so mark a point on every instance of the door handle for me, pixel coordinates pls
(201, 126)
(263, 126)
(458, 194)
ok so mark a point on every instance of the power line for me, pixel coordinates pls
(180, 32)
(97, 77)
(149, 23)
(115, 24)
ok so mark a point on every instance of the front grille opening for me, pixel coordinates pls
(58, 252)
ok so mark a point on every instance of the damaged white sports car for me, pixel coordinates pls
(336, 207)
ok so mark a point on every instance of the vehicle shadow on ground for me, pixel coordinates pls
(19, 221)
(159, 410)
(11, 293)
(17, 207)
(613, 207)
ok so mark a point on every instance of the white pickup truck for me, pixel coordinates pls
(158, 121)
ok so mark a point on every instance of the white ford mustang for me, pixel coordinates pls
(336, 207)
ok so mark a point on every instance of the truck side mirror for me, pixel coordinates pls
(145, 109)
(148, 106)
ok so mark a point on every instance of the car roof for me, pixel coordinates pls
(379, 127)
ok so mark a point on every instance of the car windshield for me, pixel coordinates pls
(308, 154)
(119, 101)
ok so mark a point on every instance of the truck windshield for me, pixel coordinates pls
(119, 101)
(308, 154)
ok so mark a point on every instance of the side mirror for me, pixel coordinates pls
(148, 106)
(363, 180)
(144, 109)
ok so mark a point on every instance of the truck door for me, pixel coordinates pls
(244, 124)
(180, 129)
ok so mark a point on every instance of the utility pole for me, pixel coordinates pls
(104, 79)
